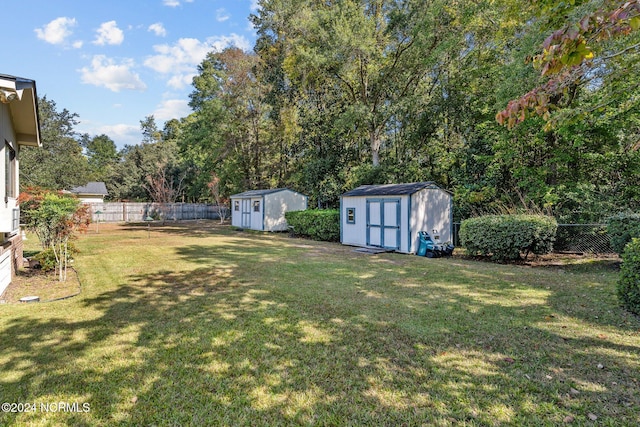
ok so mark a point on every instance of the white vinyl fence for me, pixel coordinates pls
(137, 212)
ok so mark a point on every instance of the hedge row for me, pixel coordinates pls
(316, 224)
(629, 283)
(622, 228)
(506, 237)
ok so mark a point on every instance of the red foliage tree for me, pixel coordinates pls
(54, 217)
(568, 55)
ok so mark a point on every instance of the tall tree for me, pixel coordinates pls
(150, 132)
(151, 168)
(379, 52)
(596, 52)
(102, 156)
(59, 164)
(583, 106)
(227, 133)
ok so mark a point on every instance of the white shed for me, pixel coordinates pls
(264, 209)
(93, 192)
(391, 215)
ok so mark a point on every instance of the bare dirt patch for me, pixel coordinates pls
(565, 259)
(45, 285)
(572, 261)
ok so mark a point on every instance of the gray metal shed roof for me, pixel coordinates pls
(258, 193)
(91, 188)
(390, 189)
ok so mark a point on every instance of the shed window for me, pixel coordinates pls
(236, 206)
(256, 206)
(351, 215)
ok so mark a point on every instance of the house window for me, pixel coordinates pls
(15, 220)
(256, 206)
(10, 171)
(236, 206)
(351, 215)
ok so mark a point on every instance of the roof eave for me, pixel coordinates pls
(21, 96)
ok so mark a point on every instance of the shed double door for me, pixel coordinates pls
(383, 223)
(246, 213)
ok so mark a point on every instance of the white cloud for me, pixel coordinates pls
(254, 5)
(109, 33)
(171, 109)
(183, 55)
(219, 43)
(105, 72)
(180, 81)
(158, 29)
(180, 60)
(174, 3)
(56, 31)
(77, 44)
(122, 134)
(222, 15)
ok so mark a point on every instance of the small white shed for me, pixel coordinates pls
(93, 192)
(264, 209)
(391, 215)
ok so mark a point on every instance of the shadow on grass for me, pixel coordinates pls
(260, 333)
(187, 228)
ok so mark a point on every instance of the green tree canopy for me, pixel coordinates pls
(60, 163)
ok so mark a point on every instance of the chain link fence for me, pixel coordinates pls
(575, 238)
(584, 238)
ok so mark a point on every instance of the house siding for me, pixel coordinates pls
(11, 251)
(11, 255)
(7, 204)
(18, 125)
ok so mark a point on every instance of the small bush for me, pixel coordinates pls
(505, 237)
(316, 224)
(622, 228)
(47, 259)
(629, 283)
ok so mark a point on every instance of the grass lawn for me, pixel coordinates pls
(203, 325)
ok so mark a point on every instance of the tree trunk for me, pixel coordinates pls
(66, 260)
(374, 140)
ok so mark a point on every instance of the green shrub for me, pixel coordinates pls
(629, 283)
(47, 259)
(622, 228)
(316, 224)
(505, 237)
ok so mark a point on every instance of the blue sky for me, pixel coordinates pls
(115, 62)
